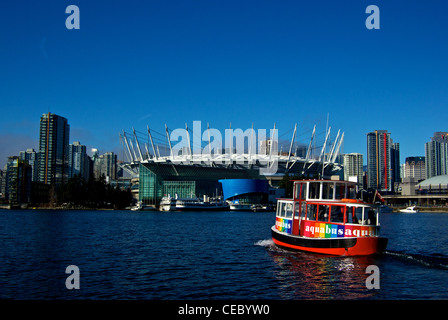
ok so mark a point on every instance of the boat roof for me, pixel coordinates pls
(331, 202)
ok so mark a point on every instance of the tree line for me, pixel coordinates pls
(92, 193)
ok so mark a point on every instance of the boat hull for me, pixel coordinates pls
(351, 246)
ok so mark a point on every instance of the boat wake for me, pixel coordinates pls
(265, 243)
(435, 260)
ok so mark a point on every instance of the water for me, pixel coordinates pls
(207, 255)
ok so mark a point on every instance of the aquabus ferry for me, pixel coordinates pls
(325, 217)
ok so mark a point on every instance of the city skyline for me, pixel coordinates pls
(135, 64)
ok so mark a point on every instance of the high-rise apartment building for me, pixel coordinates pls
(383, 164)
(33, 159)
(436, 153)
(414, 167)
(53, 149)
(18, 181)
(353, 167)
(78, 160)
(105, 164)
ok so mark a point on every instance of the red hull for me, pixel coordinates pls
(339, 247)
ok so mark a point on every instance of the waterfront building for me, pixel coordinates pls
(157, 174)
(383, 165)
(415, 167)
(53, 149)
(162, 179)
(353, 167)
(33, 159)
(2, 183)
(105, 164)
(78, 160)
(245, 191)
(19, 177)
(436, 153)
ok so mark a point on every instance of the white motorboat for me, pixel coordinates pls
(409, 210)
(168, 203)
(140, 206)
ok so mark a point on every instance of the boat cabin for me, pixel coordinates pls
(326, 209)
(324, 190)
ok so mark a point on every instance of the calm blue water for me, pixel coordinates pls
(207, 255)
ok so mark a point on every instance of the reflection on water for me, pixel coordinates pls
(311, 276)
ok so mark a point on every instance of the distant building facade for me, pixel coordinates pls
(78, 161)
(105, 164)
(383, 161)
(436, 153)
(53, 149)
(353, 167)
(19, 176)
(33, 159)
(414, 167)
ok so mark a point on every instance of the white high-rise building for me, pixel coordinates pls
(436, 152)
(353, 163)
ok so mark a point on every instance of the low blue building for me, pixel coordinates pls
(245, 191)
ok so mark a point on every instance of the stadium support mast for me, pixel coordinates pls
(152, 143)
(308, 152)
(138, 145)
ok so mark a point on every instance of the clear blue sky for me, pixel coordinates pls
(135, 62)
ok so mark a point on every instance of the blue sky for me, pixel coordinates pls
(149, 62)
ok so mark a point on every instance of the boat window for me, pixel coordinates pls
(280, 208)
(358, 219)
(288, 209)
(337, 214)
(349, 215)
(327, 192)
(351, 192)
(303, 210)
(340, 192)
(311, 212)
(324, 212)
(314, 190)
(303, 192)
(297, 188)
(371, 216)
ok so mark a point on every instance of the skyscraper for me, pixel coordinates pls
(105, 164)
(436, 152)
(414, 167)
(382, 161)
(53, 149)
(78, 161)
(353, 163)
(33, 159)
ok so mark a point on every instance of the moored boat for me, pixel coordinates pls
(324, 217)
(140, 206)
(409, 210)
(207, 203)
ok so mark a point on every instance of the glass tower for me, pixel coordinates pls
(379, 171)
(53, 149)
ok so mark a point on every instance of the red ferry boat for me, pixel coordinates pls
(325, 217)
